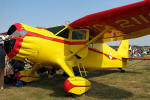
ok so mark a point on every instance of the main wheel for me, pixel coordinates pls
(77, 85)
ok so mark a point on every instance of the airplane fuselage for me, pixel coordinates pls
(47, 49)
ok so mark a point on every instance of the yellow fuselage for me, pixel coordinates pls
(49, 52)
(47, 49)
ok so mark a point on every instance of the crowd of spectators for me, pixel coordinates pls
(8, 68)
(138, 51)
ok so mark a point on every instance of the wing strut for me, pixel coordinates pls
(107, 28)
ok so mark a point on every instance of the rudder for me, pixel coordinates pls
(123, 49)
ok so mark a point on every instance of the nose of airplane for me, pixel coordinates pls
(12, 45)
(9, 45)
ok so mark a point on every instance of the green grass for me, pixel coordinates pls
(134, 84)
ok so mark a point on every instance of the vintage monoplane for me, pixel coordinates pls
(80, 44)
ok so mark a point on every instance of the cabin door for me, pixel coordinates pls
(79, 38)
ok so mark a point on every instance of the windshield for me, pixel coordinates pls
(55, 29)
(64, 33)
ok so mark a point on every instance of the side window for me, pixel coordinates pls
(64, 33)
(79, 35)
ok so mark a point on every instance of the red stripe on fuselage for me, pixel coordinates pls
(108, 56)
(19, 41)
(54, 39)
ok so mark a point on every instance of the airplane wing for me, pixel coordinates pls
(129, 21)
(4, 33)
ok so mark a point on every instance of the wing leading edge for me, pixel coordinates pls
(130, 21)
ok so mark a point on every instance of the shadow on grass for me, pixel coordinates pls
(109, 71)
(102, 72)
(100, 90)
(52, 84)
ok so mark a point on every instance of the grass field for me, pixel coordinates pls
(134, 84)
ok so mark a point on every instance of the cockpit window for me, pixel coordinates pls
(55, 29)
(64, 33)
(79, 34)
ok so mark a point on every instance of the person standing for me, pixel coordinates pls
(2, 66)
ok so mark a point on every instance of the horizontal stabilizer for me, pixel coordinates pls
(138, 58)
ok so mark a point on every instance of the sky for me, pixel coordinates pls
(47, 13)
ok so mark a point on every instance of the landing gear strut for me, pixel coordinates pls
(121, 70)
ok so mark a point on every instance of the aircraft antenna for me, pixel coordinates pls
(67, 22)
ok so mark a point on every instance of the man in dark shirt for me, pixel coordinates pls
(2, 66)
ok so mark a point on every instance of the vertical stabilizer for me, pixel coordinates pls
(123, 49)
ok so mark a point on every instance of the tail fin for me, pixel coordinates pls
(123, 49)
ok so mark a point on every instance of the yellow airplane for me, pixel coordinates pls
(79, 45)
